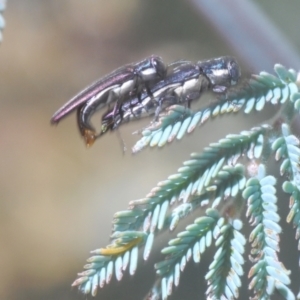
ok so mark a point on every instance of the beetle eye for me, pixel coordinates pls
(154, 64)
(159, 67)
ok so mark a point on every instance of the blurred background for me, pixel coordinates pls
(57, 197)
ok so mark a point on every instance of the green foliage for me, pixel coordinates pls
(267, 272)
(230, 180)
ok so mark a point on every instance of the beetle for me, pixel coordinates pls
(186, 74)
(125, 80)
(183, 84)
(85, 112)
(222, 72)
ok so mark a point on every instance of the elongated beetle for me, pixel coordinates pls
(124, 81)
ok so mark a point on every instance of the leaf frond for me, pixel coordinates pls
(227, 178)
(226, 269)
(114, 259)
(286, 148)
(192, 179)
(267, 272)
(188, 244)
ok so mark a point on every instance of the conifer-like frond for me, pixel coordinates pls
(205, 176)
(191, 179)
(198, 236)
(227, 178)
(226, 269)
(190, 243)
(114, 259)
(287, 150)
(267, 273)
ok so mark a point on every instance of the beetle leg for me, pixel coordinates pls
(85, 113)
(122, 142)
(87, 132)
(219, 89)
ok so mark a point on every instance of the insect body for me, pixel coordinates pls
(124, 81)
(180, 83)
(184, 83)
